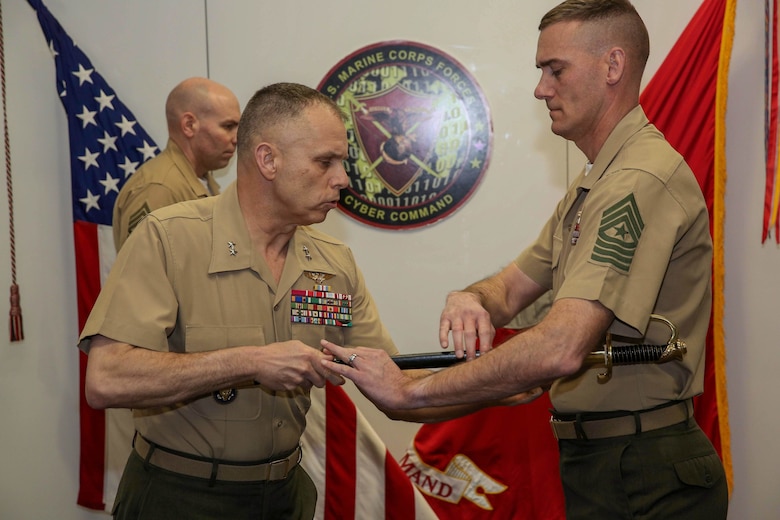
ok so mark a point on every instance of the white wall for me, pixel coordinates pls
(144, 47)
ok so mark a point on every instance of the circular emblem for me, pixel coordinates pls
(419, 133)
(225, 396)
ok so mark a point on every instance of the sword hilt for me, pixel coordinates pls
(674, 349)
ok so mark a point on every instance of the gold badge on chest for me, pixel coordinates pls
(319, 278)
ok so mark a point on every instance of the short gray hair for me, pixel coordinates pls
(274, 104)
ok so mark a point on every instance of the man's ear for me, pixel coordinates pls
(266, 158)
(189, 124)
(617, 65)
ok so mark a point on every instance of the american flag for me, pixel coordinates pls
(107, 145)
(355, 474)
(106, 142)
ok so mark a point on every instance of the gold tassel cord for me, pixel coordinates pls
(16, 330)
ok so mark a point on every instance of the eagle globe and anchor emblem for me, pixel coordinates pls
(419, 133)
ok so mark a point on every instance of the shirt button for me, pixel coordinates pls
(279, 423)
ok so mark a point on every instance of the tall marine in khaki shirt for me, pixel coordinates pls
(628, 242)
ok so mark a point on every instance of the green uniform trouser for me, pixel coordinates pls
(150, 493)
(669, 473)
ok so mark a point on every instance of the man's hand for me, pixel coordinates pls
(373, 372)
(291, 364)
(467, 319)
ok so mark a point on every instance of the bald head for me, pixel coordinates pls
(196, 95)
(203, 118)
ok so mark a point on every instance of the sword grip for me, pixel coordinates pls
(637, 354)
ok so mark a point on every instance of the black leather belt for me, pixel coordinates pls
(629, 424)
(214, 469)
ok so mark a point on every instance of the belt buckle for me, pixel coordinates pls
(286, 464)
(270, 473)
(553, 422)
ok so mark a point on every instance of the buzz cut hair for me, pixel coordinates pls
(275, 104)
(618, 20)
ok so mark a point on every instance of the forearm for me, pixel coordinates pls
(486, 379)
(445, 413)
(432, 414)
(123, 376)
(555, 348)
(491, 295)
(505, 294)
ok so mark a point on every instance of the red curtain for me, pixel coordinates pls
(686, 100)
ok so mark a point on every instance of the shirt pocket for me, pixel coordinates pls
(246, 404)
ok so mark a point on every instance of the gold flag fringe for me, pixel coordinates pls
(721, 99)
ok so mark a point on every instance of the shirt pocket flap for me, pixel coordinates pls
(207, 338)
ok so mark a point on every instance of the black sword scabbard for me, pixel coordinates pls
(620, 355)
(424, 360)
(609, 357)
(427, 360)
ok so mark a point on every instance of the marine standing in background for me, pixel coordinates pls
(202, 117)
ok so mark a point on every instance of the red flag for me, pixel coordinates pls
(693, 120)
(514, 446)
(497, 463)
(771, 186)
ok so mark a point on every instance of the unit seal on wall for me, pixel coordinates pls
(419, 130)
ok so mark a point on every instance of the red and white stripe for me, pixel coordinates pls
(356, 476)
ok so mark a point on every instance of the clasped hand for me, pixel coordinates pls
(374, 372)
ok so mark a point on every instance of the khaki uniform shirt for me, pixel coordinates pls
(179, 285)
(634, 235)
(163, 180)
